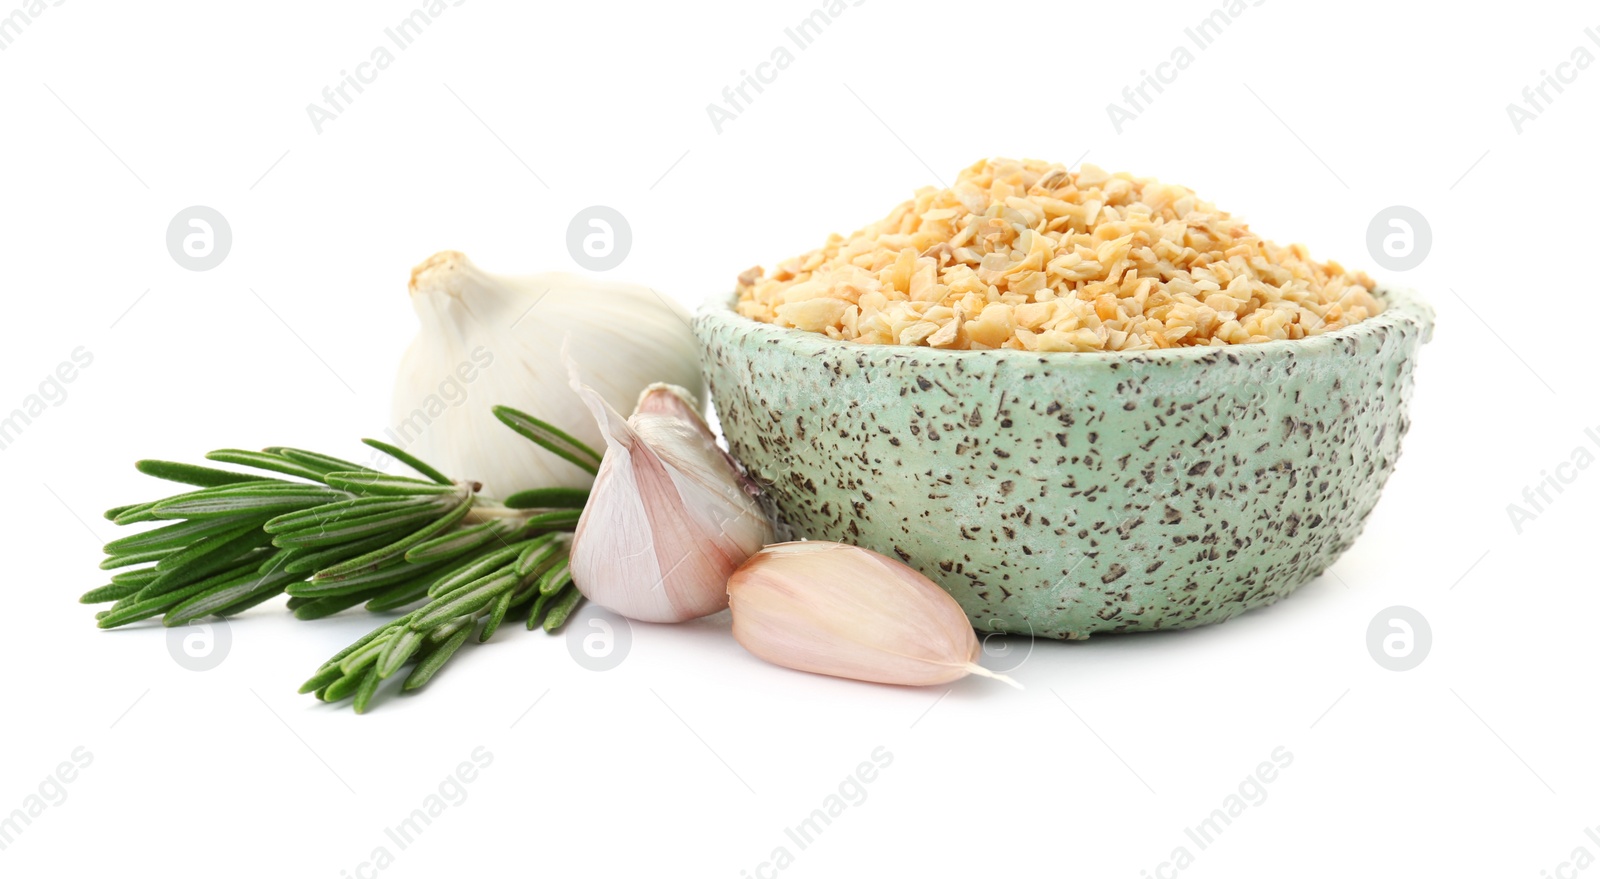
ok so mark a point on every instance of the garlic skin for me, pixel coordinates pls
(662, 398)
(489, 340)
(841, 610)
(669, 517)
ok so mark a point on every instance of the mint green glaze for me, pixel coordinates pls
(1067, 494)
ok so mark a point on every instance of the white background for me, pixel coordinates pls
(692, 757)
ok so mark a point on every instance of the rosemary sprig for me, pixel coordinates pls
(333, 534)
(428, 636)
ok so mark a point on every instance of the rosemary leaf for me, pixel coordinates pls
(164, 584)
(177, 535)
(562, 520)
(369, 653)
(535, 554)
(322, 464)
(279, 561)
(527, 590)
(256, 597)
(386, 582)
(340, 530)
(328, 605)
(397, 651)
(369, 583)
(548, 498)
(365, 692)
(247, 591)
(479, 567)
(434, 659)
(464, 601)
(192, 474)
(135, 612)
(537, 609)
(143, 575)
(462, 541)
(442, 633)
(552, 438)
(173, 581)
(344, 687)
(322, 678)
(409, 460)
(562, 609)
(244, 498)
(557, 577)
(265, 461)
(346, 509)
(304, 560)
(108, 592)
(496, 614)
(372, 483)
(222, 552)
(132, 611)
(137, 513)
(117, 511)
(386, 629)
(111, 562)
(225, 546)
(398, 596)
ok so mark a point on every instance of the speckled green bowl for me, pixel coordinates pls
(1067, 494)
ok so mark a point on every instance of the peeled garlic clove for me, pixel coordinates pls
(668, 519)
(849, 612)
(488, 340)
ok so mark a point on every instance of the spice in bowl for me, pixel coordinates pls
(1029, 255)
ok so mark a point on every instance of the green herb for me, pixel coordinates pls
(332, 535)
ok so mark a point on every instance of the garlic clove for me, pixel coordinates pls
(664, 399)
(668, 519)
(841, 610)
(488, 340)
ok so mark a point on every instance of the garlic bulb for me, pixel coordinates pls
(849, 612)
(488, 340)
(669, 517)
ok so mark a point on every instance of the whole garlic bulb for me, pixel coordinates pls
(489, 340)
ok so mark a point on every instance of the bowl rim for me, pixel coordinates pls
(1402, 305)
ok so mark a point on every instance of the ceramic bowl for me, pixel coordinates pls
(1066, 494)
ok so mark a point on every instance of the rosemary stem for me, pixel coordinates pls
(486, 510)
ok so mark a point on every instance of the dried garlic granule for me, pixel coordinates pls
(1032, 256)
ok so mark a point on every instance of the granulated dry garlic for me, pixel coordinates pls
(1028, 255)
